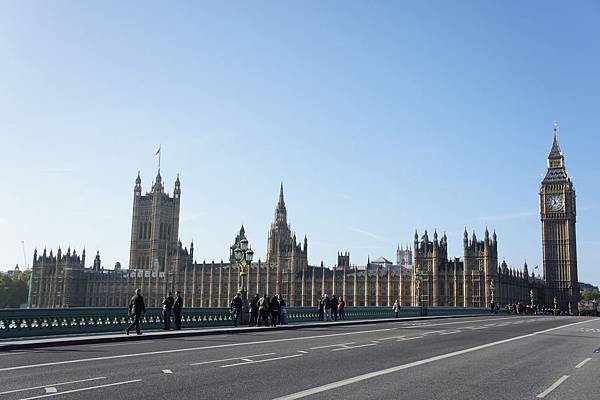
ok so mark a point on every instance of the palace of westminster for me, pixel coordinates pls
(158, 263)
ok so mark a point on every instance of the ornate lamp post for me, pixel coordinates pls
(554, 305)
(243, 255)
(492, 287)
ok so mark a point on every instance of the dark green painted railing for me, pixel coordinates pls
(61, 321)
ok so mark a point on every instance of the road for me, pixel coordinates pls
(491, 357)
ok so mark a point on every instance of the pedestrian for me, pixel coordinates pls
(136, 309)
(263, 310)
(396, 308)
(274, 309)
(254, 311)
(177, 308)
(321, 310)
(341, 310)
(492, 307)
(236, 309)
(167, 304)
(327, 308)
(334, 307)
(282, 310)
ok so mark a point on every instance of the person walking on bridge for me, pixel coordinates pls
(236, 309)
(177, 308)
(167, 304)
(136, 309)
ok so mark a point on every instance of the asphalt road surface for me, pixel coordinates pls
(489, 357)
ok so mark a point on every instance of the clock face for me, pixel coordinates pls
(554, 202)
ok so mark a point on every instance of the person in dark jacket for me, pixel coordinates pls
(321, 310)
(334, 307)
(177, 308)
(254, 310)
(274, 309)
(167, 304)
(136, 309)
(236, 309)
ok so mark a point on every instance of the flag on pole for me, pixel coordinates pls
(157, 151)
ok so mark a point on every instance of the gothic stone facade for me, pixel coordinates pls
(160, 263)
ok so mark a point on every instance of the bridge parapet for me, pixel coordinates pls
(60, 321)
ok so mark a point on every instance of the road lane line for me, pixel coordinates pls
(354, 347)
(121, 344)
(302, 351)
(53, 384)
(450, 333)
(82, 389)
(359, 378)
(167, 371)
(51, 389)
(410, 338)
(261, 361)
(232, 359)
(581, 364)
(552, 387)
(246, 359)
(331, 345)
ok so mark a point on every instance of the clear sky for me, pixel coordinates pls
(379, 117)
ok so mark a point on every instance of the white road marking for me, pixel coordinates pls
(232, 359)
(410, 338)
(51, 389)
(552, 387)
(246, 359)
(12, 352)
(354, 347)
(302, 351)
(331, 345)
(359, 378)
(122, 344)
(82, 389)
(260, 361)
(53, 384)
(450, 333)
(167, 371)
(581, 364)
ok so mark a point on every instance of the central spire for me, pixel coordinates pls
(555, 151)
(280, 211)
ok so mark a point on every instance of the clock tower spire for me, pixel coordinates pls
(559, 246)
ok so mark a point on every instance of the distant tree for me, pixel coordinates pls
(591, 295)
(14, 289)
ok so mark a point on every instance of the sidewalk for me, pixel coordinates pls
(92, 338)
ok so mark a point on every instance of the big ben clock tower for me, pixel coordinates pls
(559, 247)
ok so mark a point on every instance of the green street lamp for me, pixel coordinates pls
(418, 282)
(243, 255)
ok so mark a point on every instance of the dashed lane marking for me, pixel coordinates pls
(552, 387)
(302, 351)
(260, 361)
(51, 389)
(450, 333)
(232, 359)
(331, 345)
(410, 338)
(354, 347)
(167, 371)
(581, 364)
(52, 384)
(83, 389)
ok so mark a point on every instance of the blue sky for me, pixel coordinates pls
(379, 117)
